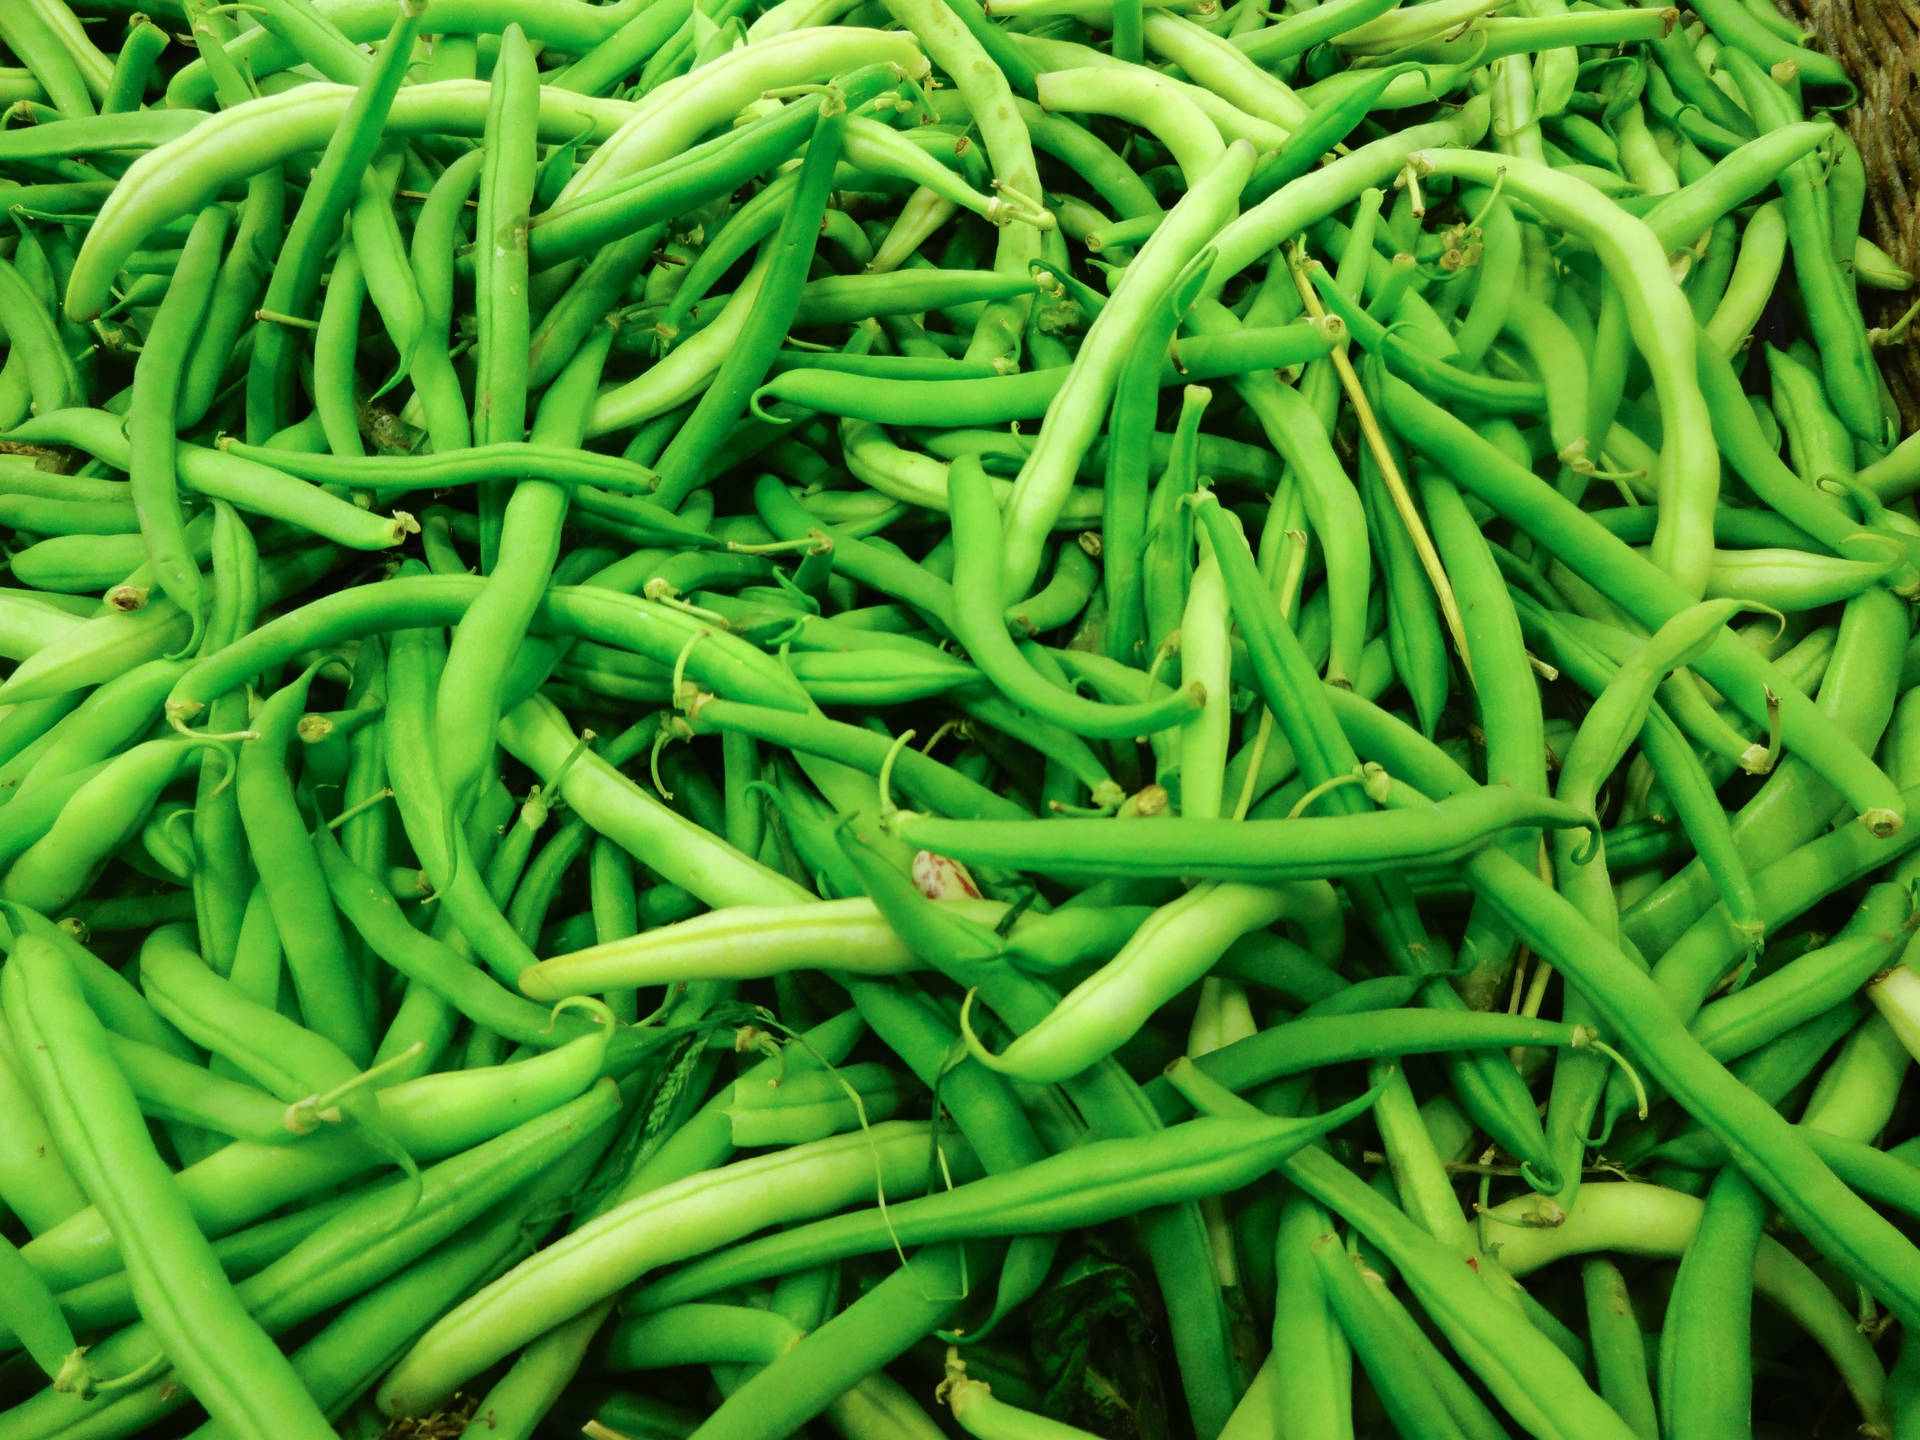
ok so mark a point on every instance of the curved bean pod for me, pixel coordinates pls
(182, 173)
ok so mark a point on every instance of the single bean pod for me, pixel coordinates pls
(1099, 1180)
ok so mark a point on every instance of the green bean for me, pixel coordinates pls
(623, 50)
(1792, 807)
(110, 994)
(928, 781)
(664, 123)
(1252, 851)
(720, 661)
(681, 852)
(1074, 414)
(432, 1116)
(29, 1309)
(1876, 269)
(741, 232)
(1709, 1094)
(699, 1335)
(869, 562)
(1124, 505)
(1689, 483)
(291, 286)
(112, 716)
(983, 1106)
(1206, 661)
(1817, 442)
(1883, 1175)
(807, 1378)
(1298, 33)
(1854, 1097)
(1175, 946)
(1745, 34)
(1169, 561)
(1562, 366)
(43, 516)
(315, 39)
(1318, 1391)
(363, 1244)
(1689, 788)
(1508, 699)
(570, 28)
(334, 337)
(182, 1291)
(978, 1413)
(218, 475)
(27, 730)
(27, 824)
(1509, 1355)
(1663, 1222)
(1083, 152)
(317, 955)
(50, 138)
(47, 56)
(740, 373)
(1295, 698)
(1299, 1045)
(1619, 1352)
(620, 1245)
(1330, 123)
(223, 878)
(183, 173)
(1190, 121)
(133, 67)
(473, 684)
(430, 254)
(150, 420)
(421, 957)
(1682, 971)
(1675, 50)
(1684, 214)
(1409, 1396)
(936, 393)
(1414, 639)
(1176, 1236)
(1029, 395)
(1794, 580)
(52, 381)
(739, 943)
(1767, 1149)
(171, 1089)
(678, 378)
(816, 1106)
(89, 564)
(344, 1357)
(1732, 529)
(1651, 597)
(382, 254)
(534, 894)
(28, 627)
(312, 1076)
(504, 328)
(1100, 1178)
(242, 277)
(1832, 314)
(35, 1183)
(1063, 598)
(978, 546)
(1706, 1383)
(103, 811)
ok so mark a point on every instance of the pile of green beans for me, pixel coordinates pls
(1035, 719)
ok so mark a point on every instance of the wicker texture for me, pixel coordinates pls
(1879, 42)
